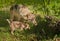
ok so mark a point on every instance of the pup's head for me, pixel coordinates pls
(32, 19)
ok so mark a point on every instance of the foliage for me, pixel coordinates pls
(47, 16)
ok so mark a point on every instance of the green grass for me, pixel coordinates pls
(35, 33)
(5, 35)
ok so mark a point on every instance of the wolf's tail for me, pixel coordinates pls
(8, 21)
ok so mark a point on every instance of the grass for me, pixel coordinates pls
(5, 34)
(39, 33)
(34, 34)
(26, 35)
